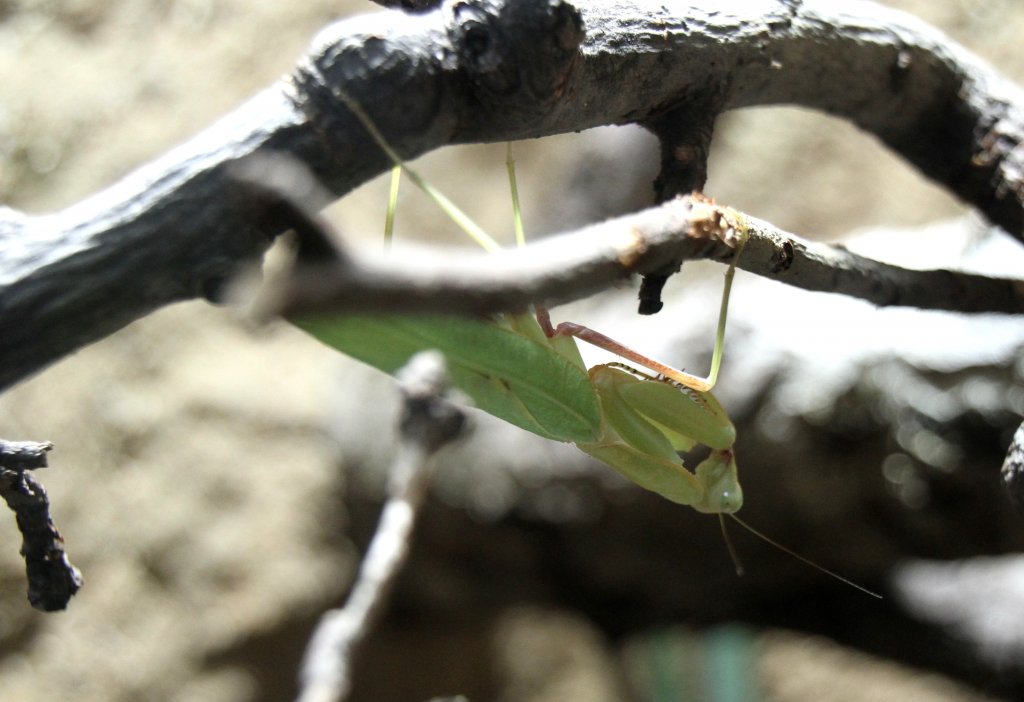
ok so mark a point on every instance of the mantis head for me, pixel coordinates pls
(720, 486)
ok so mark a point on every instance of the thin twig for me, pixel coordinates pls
(428, 422)
(571, 266)
(52, 580)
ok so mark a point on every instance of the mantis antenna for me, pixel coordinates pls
(794, 554)
(728, 545)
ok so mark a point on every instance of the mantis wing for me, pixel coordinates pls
(509, 376)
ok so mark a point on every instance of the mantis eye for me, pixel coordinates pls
(730, 500)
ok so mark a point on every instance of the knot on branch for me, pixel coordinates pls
(515, 48)
(428, 417)
(52, 580)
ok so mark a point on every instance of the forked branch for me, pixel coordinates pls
(498, 70)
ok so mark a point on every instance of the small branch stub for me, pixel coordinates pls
(52, 579)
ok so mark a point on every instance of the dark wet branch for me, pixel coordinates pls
(52, 580)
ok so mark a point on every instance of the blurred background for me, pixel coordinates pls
(215, 481)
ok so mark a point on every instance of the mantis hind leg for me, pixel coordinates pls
(695, 382)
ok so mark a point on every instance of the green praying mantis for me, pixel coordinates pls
(524, 370)
(521, 369)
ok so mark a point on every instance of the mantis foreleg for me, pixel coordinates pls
(598, 339)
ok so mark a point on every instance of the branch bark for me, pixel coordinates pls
(574, 265)
(485, 71)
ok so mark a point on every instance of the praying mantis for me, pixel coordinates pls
(524, 370)
(530, 373)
